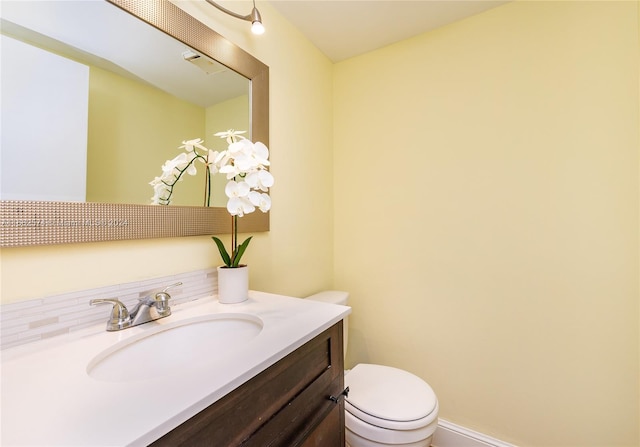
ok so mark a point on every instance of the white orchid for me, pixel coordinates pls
(176, 164)
(230, 135)
(261, 200)
(261, 153)
(191, 145)
(239, 206)
(161, 191)
(262, 180)
(234, 189)
(173, 171)
(245, 165)
(213, 168)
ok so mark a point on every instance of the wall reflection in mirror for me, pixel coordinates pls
(92, 115)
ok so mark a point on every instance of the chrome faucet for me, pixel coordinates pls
(147, 309)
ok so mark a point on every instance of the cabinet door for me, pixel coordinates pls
(330, 432)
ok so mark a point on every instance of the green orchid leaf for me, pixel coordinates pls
(241, 249)
(223, 251)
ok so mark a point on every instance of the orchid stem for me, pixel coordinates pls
(234, 236)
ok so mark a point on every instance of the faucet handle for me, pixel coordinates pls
(162, 300)
(171, 286)
(120, 318)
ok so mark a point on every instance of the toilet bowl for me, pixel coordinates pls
(386, 405)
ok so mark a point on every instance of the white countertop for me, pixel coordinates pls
(48, 398)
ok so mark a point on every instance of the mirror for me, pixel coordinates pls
(202, 55)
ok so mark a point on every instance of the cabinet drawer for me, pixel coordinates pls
(282, 406)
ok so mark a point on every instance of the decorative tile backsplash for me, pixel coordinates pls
(45, 317)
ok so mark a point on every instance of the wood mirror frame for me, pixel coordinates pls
(26, 223)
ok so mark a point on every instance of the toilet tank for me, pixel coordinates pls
(336, 297)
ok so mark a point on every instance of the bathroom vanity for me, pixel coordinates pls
(295, 402)
(266, 372)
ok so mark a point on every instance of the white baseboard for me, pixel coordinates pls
(449, 434)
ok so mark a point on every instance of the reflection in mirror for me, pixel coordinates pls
(67, 220)
(99, 118)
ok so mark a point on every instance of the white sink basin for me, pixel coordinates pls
(175, 347)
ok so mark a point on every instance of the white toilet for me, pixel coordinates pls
(386, 406)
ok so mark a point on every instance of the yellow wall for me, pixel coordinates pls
(295, 257)
(486, 218)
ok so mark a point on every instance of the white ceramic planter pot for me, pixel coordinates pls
(233, 284)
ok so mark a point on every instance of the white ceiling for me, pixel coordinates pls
(345, 28)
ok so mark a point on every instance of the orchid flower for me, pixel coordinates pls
(230, 135)
(262, 180)
(261, 200)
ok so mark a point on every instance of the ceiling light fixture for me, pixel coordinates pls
(254, 17)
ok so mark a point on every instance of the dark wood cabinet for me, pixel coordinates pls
(289, 404)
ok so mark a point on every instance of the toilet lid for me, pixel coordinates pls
(385, 396)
